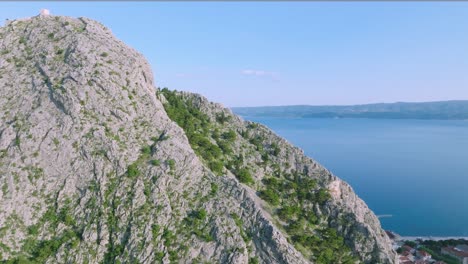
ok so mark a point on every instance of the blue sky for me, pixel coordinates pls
(280, 53)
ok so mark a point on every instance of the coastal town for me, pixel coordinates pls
(430, 250)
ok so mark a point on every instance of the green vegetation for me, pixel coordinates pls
(116, 246)
(270, 195)
(171, 164)
(201, 134)
(159, 256)
(257, 141)
(168, 237)
(434, 248)
(244, 175)
(34, 250)
(275, 149)
(291, 195)
(229, 136)
(155, 162)
(288, 212)
(437, 255)
(155, 229)
(56, 142)
(214, 188)
(222, 118)
(411, 243)
(253, 261)
(5, 188)
(240, 224)
(40, 251)
(132, 170)
(146, 150)
(17, 141)
(198, 128)
(216, 166)
(195, 221)
(200, 215)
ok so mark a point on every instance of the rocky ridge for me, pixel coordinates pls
(93, 170)
(267, 156)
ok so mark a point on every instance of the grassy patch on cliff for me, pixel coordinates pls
(207, 142)
(196, 126)
(292, 196)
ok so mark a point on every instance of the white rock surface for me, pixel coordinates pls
(77, 107)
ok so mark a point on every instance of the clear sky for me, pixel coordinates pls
(280, 53)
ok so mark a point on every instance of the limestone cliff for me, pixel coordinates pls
(96, 166)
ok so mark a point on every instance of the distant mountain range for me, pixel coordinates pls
(442, 110)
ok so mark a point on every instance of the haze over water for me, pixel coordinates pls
(413, 173)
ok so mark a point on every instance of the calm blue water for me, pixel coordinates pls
(414, 170)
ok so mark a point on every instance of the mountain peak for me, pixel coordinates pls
(99, 166)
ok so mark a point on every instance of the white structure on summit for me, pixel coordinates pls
(44, 12)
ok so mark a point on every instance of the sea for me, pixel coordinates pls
(412, 173)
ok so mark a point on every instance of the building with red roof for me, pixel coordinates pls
(423, 255)
(408, 248)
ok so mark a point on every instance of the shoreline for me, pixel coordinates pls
(434, 238)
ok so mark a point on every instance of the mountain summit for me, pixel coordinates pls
(99, 166)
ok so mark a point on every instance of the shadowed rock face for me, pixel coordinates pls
(93, 170)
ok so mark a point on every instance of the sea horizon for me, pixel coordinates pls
(346, 146)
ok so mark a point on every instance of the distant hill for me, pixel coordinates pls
(443, 110)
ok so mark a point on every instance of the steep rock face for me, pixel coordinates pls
(268, 157)
(93, 170)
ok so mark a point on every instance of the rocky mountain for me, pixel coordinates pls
(99, 166)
